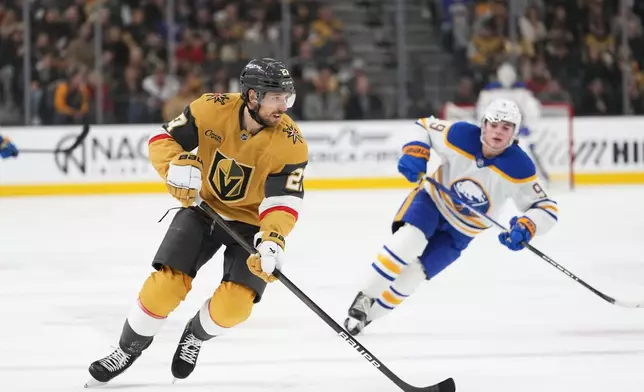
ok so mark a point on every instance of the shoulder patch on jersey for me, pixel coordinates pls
(203, 106)
(293, 133)
(515, 164)
(217, 98)
(464, 138)
(289, 143)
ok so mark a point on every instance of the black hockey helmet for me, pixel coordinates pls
(266, 75)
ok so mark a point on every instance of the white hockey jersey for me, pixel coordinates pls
(483, 183)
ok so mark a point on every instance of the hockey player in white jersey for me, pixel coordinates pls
(485, 167)
(507, 87)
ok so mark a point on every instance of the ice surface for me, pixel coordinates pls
(70, 268)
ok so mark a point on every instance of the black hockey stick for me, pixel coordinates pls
(538, 164)
(444, 386)
(79, 139)
(536, 251)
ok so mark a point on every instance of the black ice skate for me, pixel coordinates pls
(358, 314)
(105, 369)
(185, 357)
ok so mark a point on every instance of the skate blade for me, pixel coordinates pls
(91, 383)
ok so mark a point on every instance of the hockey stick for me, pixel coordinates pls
(79, 139)
(534, 250)
(444, 386)
(538, 164)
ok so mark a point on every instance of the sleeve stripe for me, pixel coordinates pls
(160, 136)
(544, 201)
(278, 208)
(547, 212)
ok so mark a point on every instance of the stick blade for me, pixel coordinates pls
(443, 386)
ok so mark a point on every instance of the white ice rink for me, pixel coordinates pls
(496, 320)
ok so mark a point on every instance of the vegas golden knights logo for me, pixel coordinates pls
(229, 179)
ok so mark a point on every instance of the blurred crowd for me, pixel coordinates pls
(144, 83)
(566, 50)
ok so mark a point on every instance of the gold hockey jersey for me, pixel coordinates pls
(256, 179)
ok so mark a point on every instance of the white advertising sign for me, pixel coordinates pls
(337, 150)
(108, 154)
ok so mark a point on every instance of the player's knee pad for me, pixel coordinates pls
(231, 304)
(163, 291)
(408, 243)
(402, 250)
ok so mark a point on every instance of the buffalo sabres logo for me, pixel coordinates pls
(473, 194)
(217, 97)
(292, 134)
(228, 178)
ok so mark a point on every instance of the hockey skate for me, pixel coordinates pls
(358, 314)
(105, 369)
(185, 357)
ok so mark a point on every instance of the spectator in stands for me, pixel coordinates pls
(45, 74)
(563, 65)
(217, 36)
(118, 49)
(325, 102)
(130, 98)
(465, 94)
(484, 49)
(304, 65)
(600, 41)
(635, 40)
(533, 31)
(134, 30)
(553, 93)
(189, 91)
(596, 101)
(561, 27)
(346, 66)
(598, 66)
(540, 77)
(457, 27)
(80, 51)
(71, 100)
(160, 87)
(190, 50)
(636, 98)
(363, 104)
(10, 57)
(260, 39)
(324, 26)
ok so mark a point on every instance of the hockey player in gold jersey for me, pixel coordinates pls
(249, 167)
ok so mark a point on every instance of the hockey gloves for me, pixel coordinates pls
(184, 177)
(414, 160)
(269, 256)
(521, 230)
(7, 149)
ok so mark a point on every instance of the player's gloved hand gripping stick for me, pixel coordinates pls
(444, 386)
(534, 250)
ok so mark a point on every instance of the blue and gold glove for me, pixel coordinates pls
(414, 160)
(521, 230)
(7, 149)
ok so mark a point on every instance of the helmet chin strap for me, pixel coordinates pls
(254, 113)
